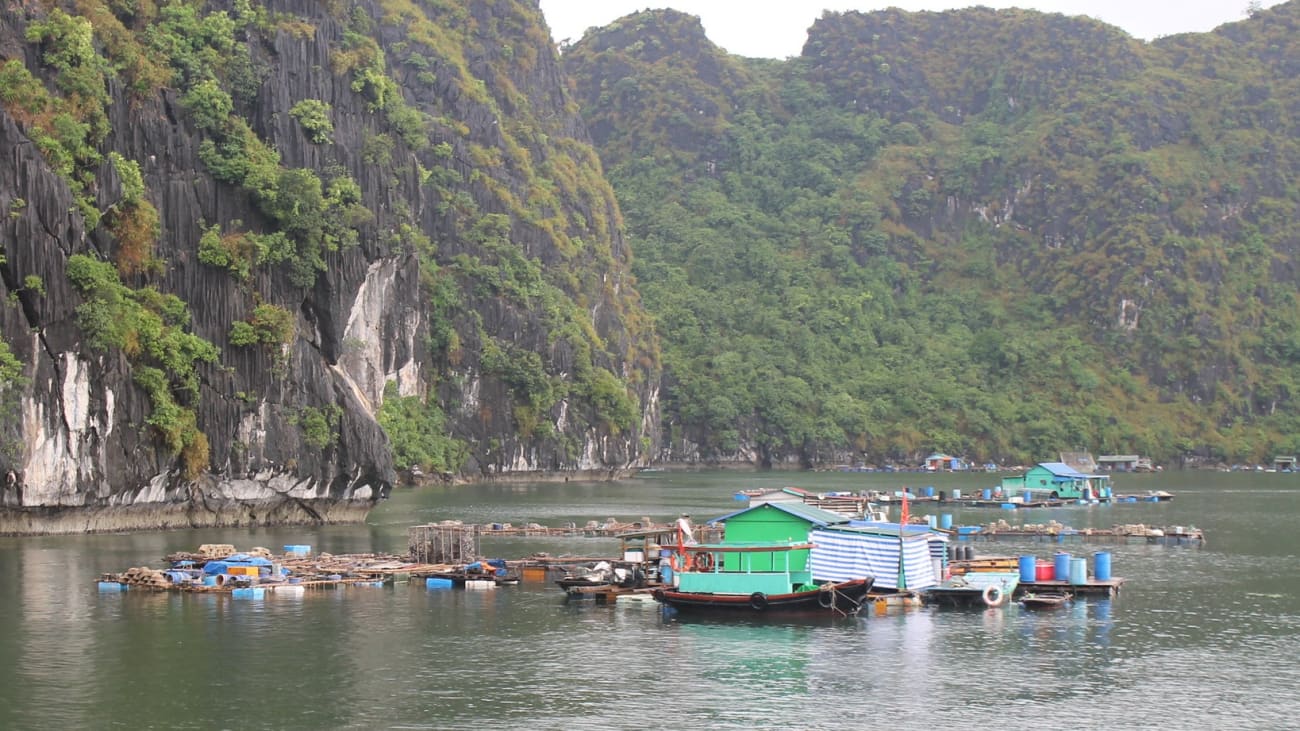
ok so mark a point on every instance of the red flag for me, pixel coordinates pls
(906, 514)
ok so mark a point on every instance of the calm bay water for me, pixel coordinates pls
(1204, 637)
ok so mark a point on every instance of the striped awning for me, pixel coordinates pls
(845, 555)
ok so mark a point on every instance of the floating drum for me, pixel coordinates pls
(1078, 571)
(945, 521)
(929, 491)
(111, 587)
(1008, 506)
(1101, 565)
(1045, 571)
(209, 581)
(437, 583)
(1029, 496)
(1061, 567)
(956, 493)
(988, 494)
(930, 520)
(1028, 569)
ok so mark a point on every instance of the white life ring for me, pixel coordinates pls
(992, 595)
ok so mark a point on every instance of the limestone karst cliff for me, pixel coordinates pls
(261, 260)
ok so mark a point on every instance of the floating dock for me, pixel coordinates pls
(1054, 532)
(297, 570)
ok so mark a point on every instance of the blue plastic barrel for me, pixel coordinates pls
(1029, 496)
(111, 586)
(210, 580)
(956, 493)
(1061, 567)
(1101, 565)
(666, 574)
(1078, 571)
(945, 521)
(930, 520)
(988, 494)
(929, 491)
(1008, 506)
(1028, 569)
(432, 583)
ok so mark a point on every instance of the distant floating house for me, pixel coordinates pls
(1058, 480)
(1124, 463)
(938, 462)
(1284, 464)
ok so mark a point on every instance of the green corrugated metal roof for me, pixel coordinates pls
(799, 510)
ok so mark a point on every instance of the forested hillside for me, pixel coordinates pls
(998, 234)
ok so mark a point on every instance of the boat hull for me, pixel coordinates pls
(1044, 601)
(845, 597)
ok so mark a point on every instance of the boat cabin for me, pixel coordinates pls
(764, 548)
(1058, 481)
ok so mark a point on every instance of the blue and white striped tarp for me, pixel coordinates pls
(842, 555)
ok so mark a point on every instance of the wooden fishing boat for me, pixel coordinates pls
(1044, 601)
(982, 589)
(845, 597)
(761, 577)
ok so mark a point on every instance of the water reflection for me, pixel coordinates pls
(405, 657)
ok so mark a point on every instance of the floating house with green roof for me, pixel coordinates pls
(1058, 481)
(784, 545)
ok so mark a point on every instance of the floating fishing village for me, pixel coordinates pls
(788, 550)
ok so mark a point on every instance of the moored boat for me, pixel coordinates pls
(1044, 601)
(845, 597)
(974, 589)
(757, 578)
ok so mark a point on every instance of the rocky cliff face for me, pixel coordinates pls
(365, 213)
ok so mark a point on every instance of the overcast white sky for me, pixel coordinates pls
(778, 28)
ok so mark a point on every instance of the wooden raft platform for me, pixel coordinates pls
(1092, 587)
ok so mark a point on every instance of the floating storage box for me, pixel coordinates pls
(480, 584)
(956, 493)
(1008, 506)
(242, 571)
(297, 550)
(290, 591)
(1044, 571)
(249, 593)
(437, 583)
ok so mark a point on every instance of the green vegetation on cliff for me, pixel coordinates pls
(427, 133)
(994, 233)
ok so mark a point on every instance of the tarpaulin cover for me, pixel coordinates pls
(843, 555)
